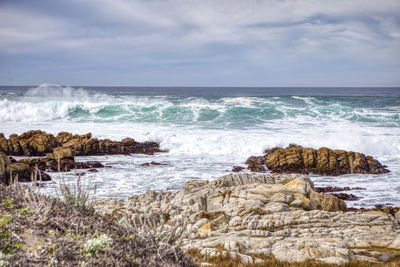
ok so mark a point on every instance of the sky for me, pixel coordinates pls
(200, 42)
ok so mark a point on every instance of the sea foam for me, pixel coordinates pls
(206, 135)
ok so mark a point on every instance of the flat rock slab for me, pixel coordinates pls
(248, 214)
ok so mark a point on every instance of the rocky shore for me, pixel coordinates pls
(248, 217)
(57, 153)
(245, 218)
(39, 143)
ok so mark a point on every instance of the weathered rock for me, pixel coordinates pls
(84, 145)
(24, 173)
(66, 165)
(38, 143)
(246, 214)
(153, 163)
(324, 161)
(336, 189)
(326, 202)
(4, 161)
(3, 144)
(32, 143)
(10, 169)
(237, 169)
(60, 153)
(63, 165)
(345, 196)
(256, 163)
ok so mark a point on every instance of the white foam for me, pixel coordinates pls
(247, 102)
(208, 152)
(307, 100)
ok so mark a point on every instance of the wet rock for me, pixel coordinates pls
(63, 165)
(10, 169)
(66, 165)
(337, 189)
(256, 163)
(154, 163)
(345, 196)
(394, 211)
(24, 173)
(237, 169)
(322, 161)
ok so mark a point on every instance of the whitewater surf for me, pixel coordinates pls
(206, 131)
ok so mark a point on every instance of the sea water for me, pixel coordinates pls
(206, 131)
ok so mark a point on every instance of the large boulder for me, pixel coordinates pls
(246, 193)
(322, 161)
(32, 143)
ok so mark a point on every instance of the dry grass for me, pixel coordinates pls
(36, 230)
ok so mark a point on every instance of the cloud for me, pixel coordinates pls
(170, 37)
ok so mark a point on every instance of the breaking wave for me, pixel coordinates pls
(53, 102)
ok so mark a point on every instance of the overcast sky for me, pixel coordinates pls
(200, 43)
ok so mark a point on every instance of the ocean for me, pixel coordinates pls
(206, 131)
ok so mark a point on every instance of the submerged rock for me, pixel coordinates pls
(322, 161)
(153, 163)
(337, 189)
(237, 169)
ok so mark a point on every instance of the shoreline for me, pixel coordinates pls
(243, 217)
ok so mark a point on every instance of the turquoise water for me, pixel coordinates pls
(208, 130)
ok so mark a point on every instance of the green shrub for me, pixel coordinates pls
(94, 245)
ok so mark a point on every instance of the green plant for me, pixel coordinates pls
(78, 194)
(3, 259)
(94, 245)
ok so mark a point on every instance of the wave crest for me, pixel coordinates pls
(51, 102)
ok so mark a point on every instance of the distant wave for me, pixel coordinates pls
(49, 102)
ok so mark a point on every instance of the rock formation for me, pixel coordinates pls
(62, 165)
(11, 170)
(322, 161)
(39, 143)
(32, 143)
(244, 215)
